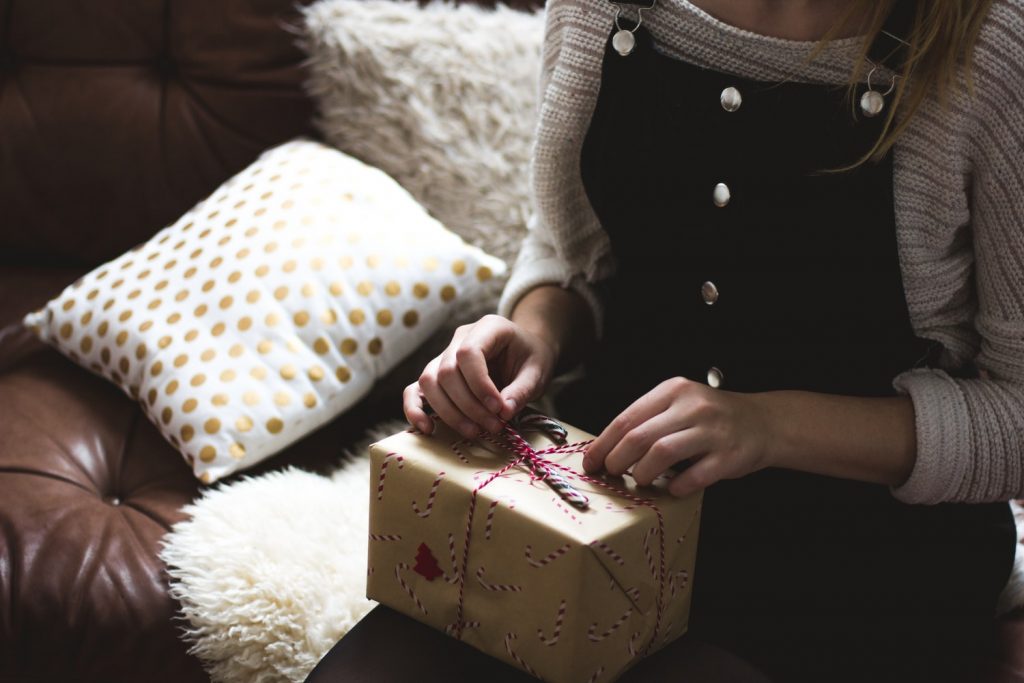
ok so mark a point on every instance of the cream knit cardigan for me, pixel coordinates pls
(959, 191)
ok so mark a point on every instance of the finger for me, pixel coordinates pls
(665, 452)
(412, 405)
(638, 440)
(454, 384)
(479, 345)
(449, 413)
(521, 390)
(641, 410)
(700, 475)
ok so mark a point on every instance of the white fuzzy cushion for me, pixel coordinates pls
(271, 307)
(441, 97)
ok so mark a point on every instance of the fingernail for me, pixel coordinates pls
(492, 404)
(511, 403)
(469, 430)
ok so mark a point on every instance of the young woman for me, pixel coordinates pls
(786, 241)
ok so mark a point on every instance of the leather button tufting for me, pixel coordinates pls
(114, 500)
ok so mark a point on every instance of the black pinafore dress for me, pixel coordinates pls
(742, 262)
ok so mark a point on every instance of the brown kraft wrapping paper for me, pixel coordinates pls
(567, 595)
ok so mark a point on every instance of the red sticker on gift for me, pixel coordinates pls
(426, 564)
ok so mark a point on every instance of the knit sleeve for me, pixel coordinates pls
(565, 243)
(970, 432)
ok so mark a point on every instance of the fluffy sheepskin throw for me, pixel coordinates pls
(441, 97)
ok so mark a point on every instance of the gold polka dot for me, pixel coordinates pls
(349, 346)
(356, 316)
(200, 310)
(384, 317)
(125, 315)
(235, 276)
(134, 294)
(373, 261)
(288, 372)
(236, 350)
(430, 264)
(237, 451)
(121, 338)
(410, 318)
(307, 290)
(219, 399)
(212, 426)
(316, 373)
(187, 432)
(208, 285)
(309, 400)
(198, 380)
(166, 414)
(270, 248)
(180, 360)
(288, 266)
(280, 293)
(189, 405)
(207, 454)
(151, 396)
(108, 304)
(459, 267)
(93, 294)
(191, 335)
(164, 341)
(172, 386)
(208, 355)
(447, 293)
(154, 304)
(244, 323)
(227, 375)
(218, 329)
(262, 270)
(321, 346)
(343, 374)
(374, 346)
(274, 425)
(317, 264)
(282, 398)
(484, 273)
(243, 424)
(329, 317)
(140, 351)
(181, 296)
(420, 290)
(253, 296)
(258, 372)
(156, 368)
(242, 253)
(301, 318)
(335, 289)
(124, 365)
(161, 285)
(190, 272)
(105, 355)
(226, 302)
(279, 225)
(250, 398)
(171, 319)
(272, 319)
(392, 288)
(294, 345)
(86, 344)
(364, 287)
(66, 330)
(115, 285)
(265, 346)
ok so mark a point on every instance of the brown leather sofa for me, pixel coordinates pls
(116, 116)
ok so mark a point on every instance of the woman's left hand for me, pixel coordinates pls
(725, 434)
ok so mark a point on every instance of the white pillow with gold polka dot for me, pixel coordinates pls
(269, 308)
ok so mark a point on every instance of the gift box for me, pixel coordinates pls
(504, 543)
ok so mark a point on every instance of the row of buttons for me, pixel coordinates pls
(731, 100)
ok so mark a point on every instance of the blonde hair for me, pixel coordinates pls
(942, 36)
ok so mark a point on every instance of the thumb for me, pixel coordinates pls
(524, 387)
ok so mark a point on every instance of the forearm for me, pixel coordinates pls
(865, 439)
(562, 318)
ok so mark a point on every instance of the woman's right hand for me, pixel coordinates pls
(462, 384)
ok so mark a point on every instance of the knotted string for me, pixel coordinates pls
(557, 476)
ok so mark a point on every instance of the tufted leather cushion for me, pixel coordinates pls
(118, 115)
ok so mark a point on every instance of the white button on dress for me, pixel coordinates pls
(721, 195)
(715, 378)
(709, 292)
(731, 99)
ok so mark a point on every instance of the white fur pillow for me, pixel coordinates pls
(271, 307)
(441, 97)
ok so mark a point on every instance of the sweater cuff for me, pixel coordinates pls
(944, 445)
(543, 271)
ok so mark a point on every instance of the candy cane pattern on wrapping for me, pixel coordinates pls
(559, 618)
(609, 551)
(385, 537)
(399, 568)
(384, 471)
(595, 637)
(631, 645)
(501, 587)
(490, 514)
(509, 637)
(566, 510)
(596, 675)
(547, 559)
(430, 498)
(454, 576)
(647, 553)
(679, 580)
